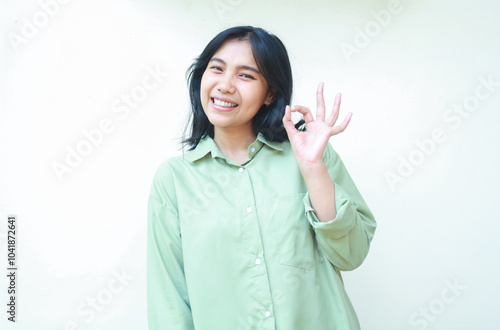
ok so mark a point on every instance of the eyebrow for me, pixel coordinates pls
(246, 67)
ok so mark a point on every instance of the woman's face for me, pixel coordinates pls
(232, 88)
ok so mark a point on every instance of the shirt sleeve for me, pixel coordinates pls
(345, 240)
(168, 301)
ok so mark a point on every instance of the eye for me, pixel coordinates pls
(216, 68)
(247, 76)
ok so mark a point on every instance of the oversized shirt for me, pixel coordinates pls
(238, 246)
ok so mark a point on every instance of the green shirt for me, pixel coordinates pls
(238, 246)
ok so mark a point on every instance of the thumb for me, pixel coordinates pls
(288, 123)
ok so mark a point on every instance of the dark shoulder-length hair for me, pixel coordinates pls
(272, 61)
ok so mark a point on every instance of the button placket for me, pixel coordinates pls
(257, 267)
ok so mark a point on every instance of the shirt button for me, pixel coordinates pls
(253, 149)
(249, 209)
(257, 261)
(267, 314)
(241, 169)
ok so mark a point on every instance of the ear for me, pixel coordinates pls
(271, 95)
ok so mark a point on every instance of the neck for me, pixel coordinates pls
(234, 142)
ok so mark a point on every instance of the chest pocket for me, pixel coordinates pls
(297, 246)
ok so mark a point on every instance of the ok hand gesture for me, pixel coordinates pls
(309, 146)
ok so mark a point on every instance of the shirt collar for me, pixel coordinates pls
(273, 145)
(207, 145)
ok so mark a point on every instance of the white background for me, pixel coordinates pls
(437, 225)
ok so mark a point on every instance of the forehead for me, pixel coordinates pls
(237, 51)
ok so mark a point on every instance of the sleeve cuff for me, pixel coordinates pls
(343, 222)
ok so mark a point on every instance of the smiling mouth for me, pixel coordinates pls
(223, 104)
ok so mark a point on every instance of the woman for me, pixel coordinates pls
(251, 227)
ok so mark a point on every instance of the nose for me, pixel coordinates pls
(225, 84)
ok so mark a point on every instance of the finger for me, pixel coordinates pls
(308, 117)
(340, 128)
(320, 103)
(332, 119)
(288, 123)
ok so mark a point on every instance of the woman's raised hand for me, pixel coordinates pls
(309, 146)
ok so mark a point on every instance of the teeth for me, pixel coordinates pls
(224, 104)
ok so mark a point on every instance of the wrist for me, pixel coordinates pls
(311, 168)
